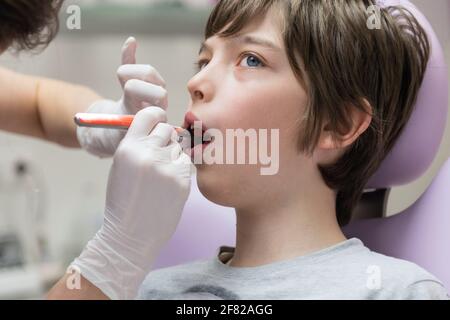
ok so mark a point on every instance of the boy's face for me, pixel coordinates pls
(250, 85)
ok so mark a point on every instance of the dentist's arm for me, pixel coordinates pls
(87, 291)
(148, 185)
(45, 108)
(42, 108)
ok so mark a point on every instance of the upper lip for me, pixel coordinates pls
(190, 119)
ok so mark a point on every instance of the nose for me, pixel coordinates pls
(201, 87)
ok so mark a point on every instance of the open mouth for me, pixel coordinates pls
(199, 137)
(197, 131)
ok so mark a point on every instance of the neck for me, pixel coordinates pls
(267, 234)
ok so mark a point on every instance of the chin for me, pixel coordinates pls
(217, 186)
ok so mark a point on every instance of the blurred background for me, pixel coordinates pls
(52, 198)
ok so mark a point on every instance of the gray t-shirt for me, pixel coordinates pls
(348, 270)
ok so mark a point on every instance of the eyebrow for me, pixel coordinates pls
(245, 40)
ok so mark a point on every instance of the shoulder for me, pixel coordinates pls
(410, 281)
(391, 278)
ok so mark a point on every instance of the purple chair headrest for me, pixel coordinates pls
(418, 145)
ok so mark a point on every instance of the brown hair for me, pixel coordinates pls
(343, 64)
(28, 24)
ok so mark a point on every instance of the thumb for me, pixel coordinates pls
(129, 51)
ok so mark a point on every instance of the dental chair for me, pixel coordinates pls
(420, 234)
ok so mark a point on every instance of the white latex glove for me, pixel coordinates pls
(148, 186)
(142, 86)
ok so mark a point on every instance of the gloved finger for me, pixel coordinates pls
(144, 72)
(184, 159)
(177, 153)
(140, 94)
(161, 135)
(129, 51)
(144, 122)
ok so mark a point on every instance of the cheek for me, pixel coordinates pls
(273, 108)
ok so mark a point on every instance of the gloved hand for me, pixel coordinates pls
(148, 186)
(142, 86)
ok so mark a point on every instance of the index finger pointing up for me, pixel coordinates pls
(129, 51)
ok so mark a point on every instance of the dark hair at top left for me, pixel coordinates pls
(28, 24)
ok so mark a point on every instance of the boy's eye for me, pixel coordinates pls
(199, 65)
(251, 61)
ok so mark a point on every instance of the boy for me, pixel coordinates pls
(338, 92)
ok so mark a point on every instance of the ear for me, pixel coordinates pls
(359, 121)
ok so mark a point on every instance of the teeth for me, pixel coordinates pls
(204, 138)
(207, 137)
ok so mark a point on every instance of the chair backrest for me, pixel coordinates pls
(417, 146)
